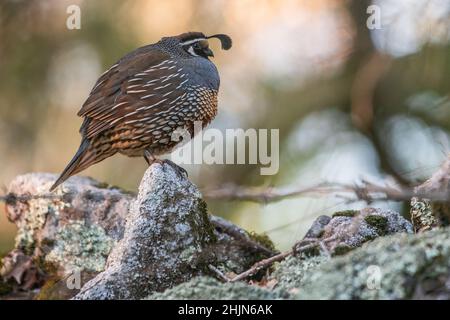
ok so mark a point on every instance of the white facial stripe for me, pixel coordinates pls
(191, 51)
(191, 41)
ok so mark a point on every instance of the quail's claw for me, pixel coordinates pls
(179, 170)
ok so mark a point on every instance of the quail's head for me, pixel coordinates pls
(195, 44)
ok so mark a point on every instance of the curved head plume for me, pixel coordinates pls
(224, 40)
(196, 43)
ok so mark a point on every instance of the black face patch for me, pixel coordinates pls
(199, 48)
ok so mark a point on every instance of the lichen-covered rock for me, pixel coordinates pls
(80, 247)
(73, 227)
(206, 288)
(349, 229)
(167, 240)
(289, 275)
(427, 214)
(396, 267)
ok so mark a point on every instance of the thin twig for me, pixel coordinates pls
(219, 273)
(299, 247)
(366, 191)
(12, 197)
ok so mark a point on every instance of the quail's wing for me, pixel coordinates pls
(140, 85)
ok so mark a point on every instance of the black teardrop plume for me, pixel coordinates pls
(224, 40)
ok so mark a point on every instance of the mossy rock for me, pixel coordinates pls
(290, 273)
(206, 288)
(346, 213)
(380, 223)
(263, 239)
(401, 266)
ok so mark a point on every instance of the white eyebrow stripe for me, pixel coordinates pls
(191, 41)
(192, 52)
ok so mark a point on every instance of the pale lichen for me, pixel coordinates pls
(206, 288)
(394, 267)
(78, 246)
(290, 273)
(34, 220)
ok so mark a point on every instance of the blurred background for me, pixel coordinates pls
(351, 102)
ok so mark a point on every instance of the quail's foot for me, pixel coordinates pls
(151, 159)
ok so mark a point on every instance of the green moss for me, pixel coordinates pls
(346, 213)
(342, 249)
(380, 223)
(263, 239)
(102, 185)
(207, 227)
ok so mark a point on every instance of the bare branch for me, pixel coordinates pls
(301, 246)
(366, 191)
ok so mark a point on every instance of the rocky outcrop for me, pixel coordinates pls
(92, 241)
(168, 239)
(349, 229)
(86, 229)
(395, 267)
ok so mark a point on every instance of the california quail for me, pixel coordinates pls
(138, 103)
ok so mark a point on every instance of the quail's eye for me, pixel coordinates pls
(199, 48)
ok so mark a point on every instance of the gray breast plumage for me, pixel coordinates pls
(202, 72)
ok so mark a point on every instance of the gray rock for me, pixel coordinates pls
(289, 275)
(74, 229)
(206, 288)
(349, 229)
(401, 266)
(166, 240)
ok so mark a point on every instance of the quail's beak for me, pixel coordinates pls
(208, 52)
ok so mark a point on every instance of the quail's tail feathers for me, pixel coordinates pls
(80, 161)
